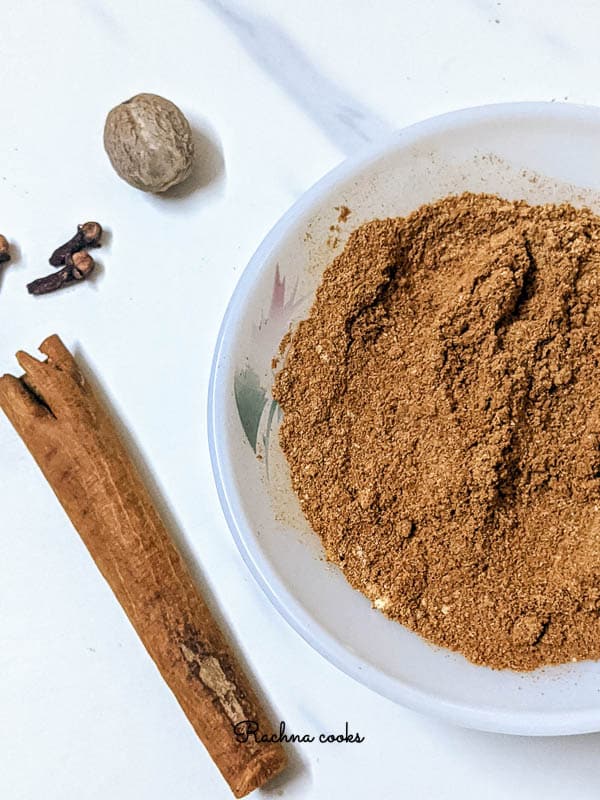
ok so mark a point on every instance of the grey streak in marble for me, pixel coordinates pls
(347, 122)
(105, 17)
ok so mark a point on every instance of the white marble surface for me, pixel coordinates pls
(282, 91)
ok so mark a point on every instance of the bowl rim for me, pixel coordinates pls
(539, 723)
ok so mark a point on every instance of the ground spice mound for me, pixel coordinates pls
(442, 425)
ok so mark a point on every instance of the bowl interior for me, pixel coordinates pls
(538, 152)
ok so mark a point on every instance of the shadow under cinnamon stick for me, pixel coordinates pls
(59, 412)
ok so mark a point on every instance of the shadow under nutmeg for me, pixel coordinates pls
(208, 168)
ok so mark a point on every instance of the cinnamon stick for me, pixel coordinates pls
(73, 440)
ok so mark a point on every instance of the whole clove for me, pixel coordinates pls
(4, 249)
(88, 235)
(78, 266)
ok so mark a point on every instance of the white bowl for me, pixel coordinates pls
(541, 152)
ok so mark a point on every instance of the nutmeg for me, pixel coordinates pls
(149, 142)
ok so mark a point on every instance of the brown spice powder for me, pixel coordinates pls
(442, 425)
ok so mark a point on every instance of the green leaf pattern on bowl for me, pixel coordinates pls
(251, 397)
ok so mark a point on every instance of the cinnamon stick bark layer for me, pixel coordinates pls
(74, 442)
